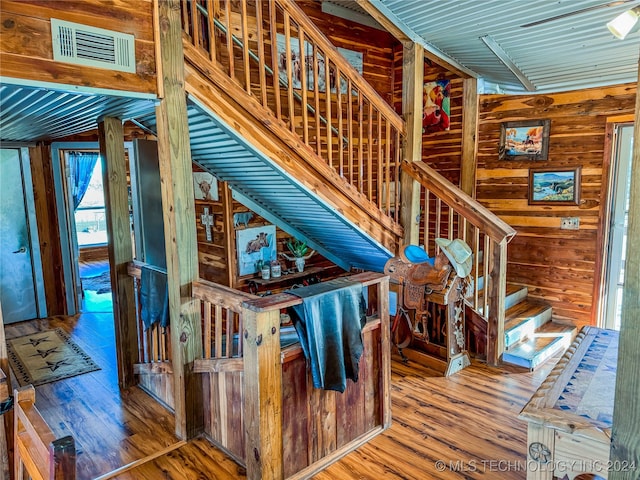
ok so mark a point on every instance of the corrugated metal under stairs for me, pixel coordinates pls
(267, 189)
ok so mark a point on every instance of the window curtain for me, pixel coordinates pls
(82, 165)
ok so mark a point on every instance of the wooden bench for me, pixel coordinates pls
(37, 450)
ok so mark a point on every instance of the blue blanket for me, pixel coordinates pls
(154, 298)
(329, 323)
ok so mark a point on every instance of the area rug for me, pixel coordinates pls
(47, 356)
(100, 283)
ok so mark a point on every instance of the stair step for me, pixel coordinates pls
(523, 319)
(514, 294)
(548, 340)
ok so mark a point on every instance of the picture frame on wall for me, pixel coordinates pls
(554, 186)
(254, 244)
(524, 140)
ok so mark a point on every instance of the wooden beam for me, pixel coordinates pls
(179, 217)
(262, 393)
(412, 86)
(114, 179)
(625, 438)
(469, 137)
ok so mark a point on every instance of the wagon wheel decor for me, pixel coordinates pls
(539, 452)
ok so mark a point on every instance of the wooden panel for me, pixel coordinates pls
(47, 220)
(295, 430)
(27, 52)
(556, 265)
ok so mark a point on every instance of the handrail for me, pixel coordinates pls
(450, 213)
(474, 212)
(273, 52)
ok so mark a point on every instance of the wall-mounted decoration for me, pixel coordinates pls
(207, 222)
(436, 109)
(526, 140)
(254, 244)
(353, 57)
(242, 217)
(205, 186)
(548, 186)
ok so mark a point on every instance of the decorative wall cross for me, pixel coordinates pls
(207, 222)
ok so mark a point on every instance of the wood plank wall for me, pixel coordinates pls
(556, 265)
(440, 150)
(376, 45)
(27, 53)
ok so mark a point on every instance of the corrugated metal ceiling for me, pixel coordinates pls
(573, 52)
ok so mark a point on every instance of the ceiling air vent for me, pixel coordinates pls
(92, 47)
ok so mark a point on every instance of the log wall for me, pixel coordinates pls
(26, 50)
(558, 266)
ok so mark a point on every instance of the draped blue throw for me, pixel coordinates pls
(82, 165)
(329, 323)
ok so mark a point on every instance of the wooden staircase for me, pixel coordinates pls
(530, 335)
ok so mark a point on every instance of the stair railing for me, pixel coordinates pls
(272, 50)
(447, 212)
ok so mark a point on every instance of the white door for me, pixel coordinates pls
(618, 225)
(18, 287)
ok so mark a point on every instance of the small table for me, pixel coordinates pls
(570, 415)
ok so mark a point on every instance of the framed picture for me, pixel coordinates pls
(205, 186)
(253, 244)
(548, 186)
(436, 108)
(526, 140)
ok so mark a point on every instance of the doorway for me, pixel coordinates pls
(619, 217)
(21, 279)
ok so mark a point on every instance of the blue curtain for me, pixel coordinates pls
(82, 165)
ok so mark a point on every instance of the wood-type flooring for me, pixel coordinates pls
(461, 427)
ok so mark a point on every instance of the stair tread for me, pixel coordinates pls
(544, 343)
(523, 311)
(511, 289)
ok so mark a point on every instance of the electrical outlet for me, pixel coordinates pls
(570, 223)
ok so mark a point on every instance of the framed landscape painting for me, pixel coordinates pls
(526, 140)
(548, 186)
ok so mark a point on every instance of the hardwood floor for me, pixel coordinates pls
(467, 421)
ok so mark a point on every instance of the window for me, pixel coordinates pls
(91, 225)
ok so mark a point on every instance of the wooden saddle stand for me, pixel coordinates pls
(428, 326)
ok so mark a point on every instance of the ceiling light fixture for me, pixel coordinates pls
(623, 23)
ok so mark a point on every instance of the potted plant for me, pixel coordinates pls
(298, 249)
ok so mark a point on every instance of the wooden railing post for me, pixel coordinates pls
(263, 392)
(174, 155)
(114, 178)
(412, 81)
(497, 286)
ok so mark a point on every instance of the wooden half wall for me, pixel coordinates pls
(558, 266)
(26, 49)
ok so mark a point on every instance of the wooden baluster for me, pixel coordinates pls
(327, 92)
(275, 56)
(195, 18)
(287, 39)
(426, 219)
(303, 87)
(350, 132)
(218, 332)
(240, 342)
(476, 250)
(229, 349)
(396, 178)
(438, 217)
(370, 152)
(380, 160)
(486, 281)
(316, 93)
(213, 8)
(261, 63)
(229, 35)
(387, 162)
(450, 235)
(207, 329)
(359, 168)
(245, 46)
(338, 83)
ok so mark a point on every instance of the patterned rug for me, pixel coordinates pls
(100, 283)
(47, 356)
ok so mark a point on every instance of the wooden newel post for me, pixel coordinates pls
(262, 393)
